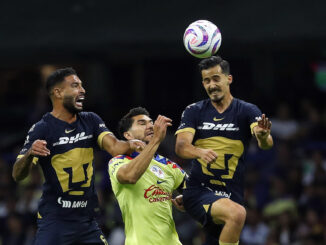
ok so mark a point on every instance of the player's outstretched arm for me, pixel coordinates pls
(263, 133)
(185, 149)
(131, 172)
(119, 147)
(22, 165)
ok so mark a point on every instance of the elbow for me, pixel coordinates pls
(127, 179)
(16, 177)
(178, 149)
(132, 181)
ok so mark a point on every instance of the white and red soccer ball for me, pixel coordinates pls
(202, 39)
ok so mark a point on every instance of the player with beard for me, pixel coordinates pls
(143, 182)
(63, 143)
(215, 133)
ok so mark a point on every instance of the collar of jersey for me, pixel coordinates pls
(157, 157)
(57, 120)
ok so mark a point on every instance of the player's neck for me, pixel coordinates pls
(222, 105)
(64, 115)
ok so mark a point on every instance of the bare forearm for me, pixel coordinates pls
(22, 166)
(120, 147)
(187, 151)
(132, 172)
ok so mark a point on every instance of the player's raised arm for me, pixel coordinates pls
(185, 149)
(23, 164)
(115, 146)
(131, 172)
(263, 133)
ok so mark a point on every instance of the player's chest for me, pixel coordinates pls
(230, 126)
(70, 137)
(158, 178)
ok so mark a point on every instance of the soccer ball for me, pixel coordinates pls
(202, 39)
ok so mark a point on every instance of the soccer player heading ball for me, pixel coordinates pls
(215, 133)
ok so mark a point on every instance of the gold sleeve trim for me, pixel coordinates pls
(35, 159)
(190, 130)
(254, 124)
(20, 156)
(100, 138)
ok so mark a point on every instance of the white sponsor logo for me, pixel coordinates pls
(72, 204)
(73, 139)
(102, 125)
(221, 127)
(27, 140)
(223, 194)
(181, 125)
(157, 171)
(32, 128)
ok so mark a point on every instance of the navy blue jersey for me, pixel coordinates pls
(228, 134)
(68, 190)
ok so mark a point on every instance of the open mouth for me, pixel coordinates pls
(151, 133)
(80, 100)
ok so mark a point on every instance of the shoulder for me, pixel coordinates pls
(116, 162)
(39, 126)
(198, 105)
(120, 157)
(87, 115)
(167, 163)
(195, 108)
(91, 117)
(244, 105)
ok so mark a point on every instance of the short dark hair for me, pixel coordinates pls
(214, 61)
(126, 122)
(57, 77)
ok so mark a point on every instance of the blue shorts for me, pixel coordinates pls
(59, 232)
(197, 201)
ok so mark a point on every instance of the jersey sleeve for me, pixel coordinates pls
(114, 165)
(100, 129)
(178, 174)
(188, 120)
(36, 132)
(253, 114)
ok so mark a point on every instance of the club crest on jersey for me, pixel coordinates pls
(220, 127)
(157, 171)
(73, 139)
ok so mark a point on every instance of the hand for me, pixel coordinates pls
(264, 127)
(136, 145)
(178, 203)
(39, 148)
(207, 155)
(160, 126)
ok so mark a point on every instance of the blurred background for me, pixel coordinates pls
(130, 53)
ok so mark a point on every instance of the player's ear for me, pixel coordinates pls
(57, 93)
(128, 136)
(230, 79)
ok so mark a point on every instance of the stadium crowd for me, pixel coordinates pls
(285, 188)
